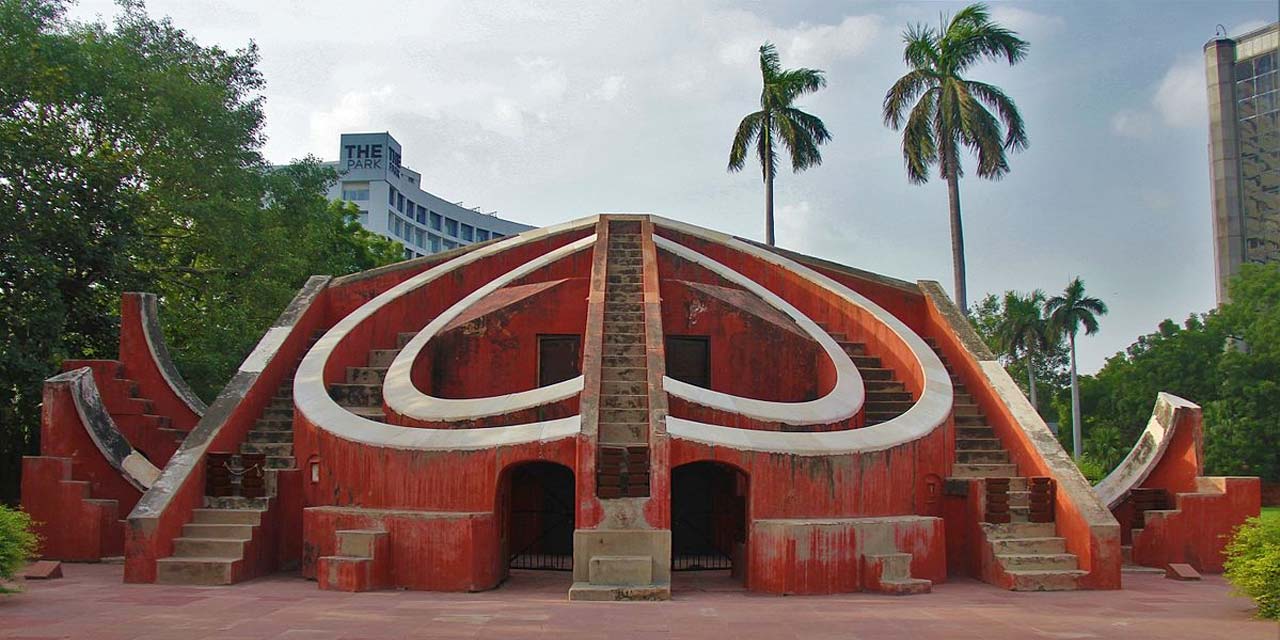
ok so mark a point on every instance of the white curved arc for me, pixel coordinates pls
(405, 399)
(312, 399)
(928, 413)
(842, 402)
(1146, 453)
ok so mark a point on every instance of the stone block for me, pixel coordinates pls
(621, 570)
(43, 570)
(1181, 571)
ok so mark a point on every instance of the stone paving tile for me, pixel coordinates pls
(91, 602)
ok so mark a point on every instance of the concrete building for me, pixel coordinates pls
(393, 204)
(623, 398)
(1244, 149)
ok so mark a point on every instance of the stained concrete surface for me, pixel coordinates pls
(91, 602)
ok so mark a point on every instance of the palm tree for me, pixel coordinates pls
(1067, 314)
(779, 123)
(1024, 330)
(950, 111)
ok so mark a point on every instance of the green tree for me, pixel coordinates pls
(779, 123)
(1024, 330)
(1049, 366)
(941, 111)
(1068, 313)
(129, 159)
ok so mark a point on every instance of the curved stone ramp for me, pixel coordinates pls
(316, 406)
(842, 402)
(1147, 452)
(930, 411)
(134, 467)
(157, 349)
(403, 398)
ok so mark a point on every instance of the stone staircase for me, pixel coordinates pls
(887, 396)
(1030, 553)
(222, 543)
(623, 463)
(361, 394)
(150, 433)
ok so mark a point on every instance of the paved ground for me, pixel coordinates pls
(90, 602)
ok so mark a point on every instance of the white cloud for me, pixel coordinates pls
(354, 111)
(609, 88)
(807, 45)
(1023, 21)
(1246, 27)
(1181, 98)
(1132, 123)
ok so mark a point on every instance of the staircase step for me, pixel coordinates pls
(273, 424)
(622, 361)
(625, 387)
(227, 516)
(235, 502)
(382, 357)
(617, 349)
(883, 385)
(366, 375)
(1039, 580)
(982, 456)
(623, 416)
(1050, 545)
(983, 444)
(1037, 561)
(268, 448)
(869, 373)
(356, 395)
(232, 531)
(984, 470)
(885, 395)
(624, 433)
(270, 436)
(622, 402)
(971, 421)
(624, 374)
(197, 571)
(984, 432)
(1019, 530)
(209, 547)
(853, 348)
(404, 337)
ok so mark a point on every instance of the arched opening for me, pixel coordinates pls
(709, 518)
(538, 511)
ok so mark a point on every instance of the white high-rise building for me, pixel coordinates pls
(393, 204)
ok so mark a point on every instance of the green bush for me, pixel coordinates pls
(18, 543)
(1253, 564)
(1091, 469)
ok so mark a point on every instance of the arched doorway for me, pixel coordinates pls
(708, 517)
(539, 517)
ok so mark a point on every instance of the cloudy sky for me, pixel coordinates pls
(547, 111)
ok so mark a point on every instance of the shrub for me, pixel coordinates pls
(1253, 564)
(1091, 469)
(17, 542)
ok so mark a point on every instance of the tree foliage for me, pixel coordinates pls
(993, 320)
(1253, 564)
(129, 160)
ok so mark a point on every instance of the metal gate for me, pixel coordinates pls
(708, 517)
(545, 528)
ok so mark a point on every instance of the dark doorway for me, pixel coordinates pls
(708, 517)
(689, 359)
(540, 517)
(559, 358)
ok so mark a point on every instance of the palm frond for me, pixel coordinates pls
(770, 62)
(980, 132)
(747, 131)
(921, 51)
(919, 148)
(1015, 128)
(904, 92)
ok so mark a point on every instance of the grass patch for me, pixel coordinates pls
(1271, 514)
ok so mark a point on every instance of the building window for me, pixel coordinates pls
(363, 218)
(400, 203)
(451, 227)
(497, 235)
(391, 219)
(435, 221)
(449, 244)
(467, 233)
(399, 231)
(422, 215)
(408, 253)
(482, 234)
(391, 196)
(419, 236)
(356, 194)
(435, 243)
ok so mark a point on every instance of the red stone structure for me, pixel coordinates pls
(1169, 512)
(624, 397)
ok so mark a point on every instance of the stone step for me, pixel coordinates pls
(625, 402)
(273, 424)
(971, 421)
(966, 432)
(235, 502)
(896, 407)
(985, 444)
(982, 456)
(623, 433)
(611, 337)
(966, 409)
(884, 395)
(279, 462)
(624, 275)
(629, 316)
(870, 373)
(268, 448)
(1040, 580)
(197, 571)
(356, 395)
(853, 348)
(1051, 545)
(618, 306)
(370, 413)
(623, 416)
(635, 297)
(226, 516)
(624, 388)
(209, 547)
(883, 385)
(866, 362)
(366, 375)
(1013, 530)
(276, 413)
(1037, 561)
(614, 289)
(628, 374)
(618, 349)
(636, 362)
(270, 436)
(382, 357)
(984, 470)
(1019, 499)
(232, 531)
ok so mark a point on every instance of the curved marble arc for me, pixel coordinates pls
(405, 399)
(312, 399)
(930, 411)
(97, 422)
(160, 355)
(1146, 453)
(841, 403)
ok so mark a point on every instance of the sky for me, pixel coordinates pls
(548, 111)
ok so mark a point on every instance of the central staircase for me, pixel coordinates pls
(1031, 554)
(623, 465)
(361, 394)
(887, 397)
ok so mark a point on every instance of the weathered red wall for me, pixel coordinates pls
(140, 366)
(1201, 526)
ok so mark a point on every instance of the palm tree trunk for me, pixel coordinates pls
(957, 239)
(768, 205)
(1031, 383)
(1077, 446)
